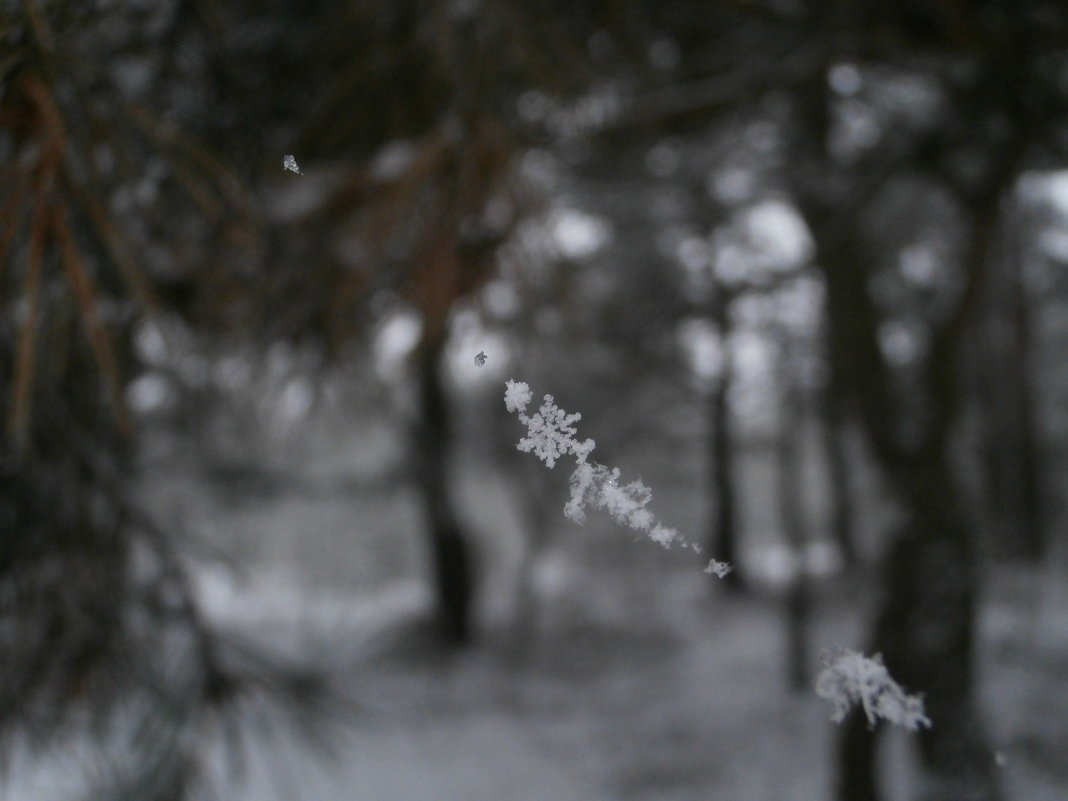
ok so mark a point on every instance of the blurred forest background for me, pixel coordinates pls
(264, 532)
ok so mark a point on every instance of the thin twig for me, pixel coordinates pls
(85, 293)
(26, 348)
(11, 215)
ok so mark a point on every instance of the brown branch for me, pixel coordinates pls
(11, 62)
(85, 294)
(10, 216)
(42, 31)
(115, 244)
(211, 165)
(26, 347)
(701, 100)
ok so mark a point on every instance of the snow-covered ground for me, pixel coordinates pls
(634, 681)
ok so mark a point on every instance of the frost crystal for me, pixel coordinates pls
(551, 435)
(850, 678)
(717, 568)
(662, 535)
(290, 163)
(516, 397)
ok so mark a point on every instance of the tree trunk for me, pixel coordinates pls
(926, 630)
(834, 431)
(1012, 487)
(856, 751)
(925, 624)
(449, 551)
(794, 526)
(723, 542)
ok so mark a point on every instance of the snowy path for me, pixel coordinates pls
(484, 758)
(601, 714)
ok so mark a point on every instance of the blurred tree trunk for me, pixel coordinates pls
(467, 157)
(925, 626)
(723, 541)
(449, 551)
(791, 490)
(1011, 483)
(534, 505)
(834, 430)
(925, 623)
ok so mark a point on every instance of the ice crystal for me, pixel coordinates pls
(662, 535)
(717, 568)
(516, 397)
(850, 678)
(551, 435)
(290, 163)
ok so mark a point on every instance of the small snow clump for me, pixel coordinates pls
(290, 163)
(850, 678)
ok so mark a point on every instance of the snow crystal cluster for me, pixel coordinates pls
(850, 678)
(290, 163)
(551, 436)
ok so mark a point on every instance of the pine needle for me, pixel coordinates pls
(85, 294)
(26, 347)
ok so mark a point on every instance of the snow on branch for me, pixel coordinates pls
(850, 679)
(551, 435)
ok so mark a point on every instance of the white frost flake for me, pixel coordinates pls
(551, 435)
(850, 678)
(290, 163)
(662, 535)
(516, 397)
(717, 568)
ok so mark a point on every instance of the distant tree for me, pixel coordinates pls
(881, 110)
(430, 198)
(1003, 365)
(724, 539)
(910, 401)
